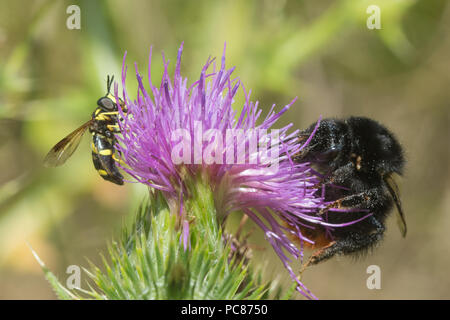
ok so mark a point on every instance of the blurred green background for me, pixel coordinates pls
(320, 51)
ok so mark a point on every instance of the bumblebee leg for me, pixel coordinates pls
(354, 242)
(364, 200)
(321, 252)
(324, 253)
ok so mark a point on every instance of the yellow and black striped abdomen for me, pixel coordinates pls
(103, 129)
(102, 157)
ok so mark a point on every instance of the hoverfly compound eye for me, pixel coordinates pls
(106, 104)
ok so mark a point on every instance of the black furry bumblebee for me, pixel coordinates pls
(103, 127)
(358, 158)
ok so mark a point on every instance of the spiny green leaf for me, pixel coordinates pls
(58, 288)
(150, 261)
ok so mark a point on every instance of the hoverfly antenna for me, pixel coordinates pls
(109, 82)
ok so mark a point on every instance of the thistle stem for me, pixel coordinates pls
(201, 211)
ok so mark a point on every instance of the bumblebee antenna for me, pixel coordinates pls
(393, 190)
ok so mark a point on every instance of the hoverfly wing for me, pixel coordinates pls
(394, 191)
(66, 147)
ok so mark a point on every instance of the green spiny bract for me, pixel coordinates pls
(151, 262)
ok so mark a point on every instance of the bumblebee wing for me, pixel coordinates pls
(66, 147)
(394, 191)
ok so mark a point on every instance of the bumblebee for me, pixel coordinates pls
(358, 158)
(103, 127)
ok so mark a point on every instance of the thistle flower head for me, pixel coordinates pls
(177, 132)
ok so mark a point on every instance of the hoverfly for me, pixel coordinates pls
(103, 127)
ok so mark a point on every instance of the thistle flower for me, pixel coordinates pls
(188, 132)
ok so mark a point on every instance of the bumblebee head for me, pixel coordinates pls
(380, 150)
